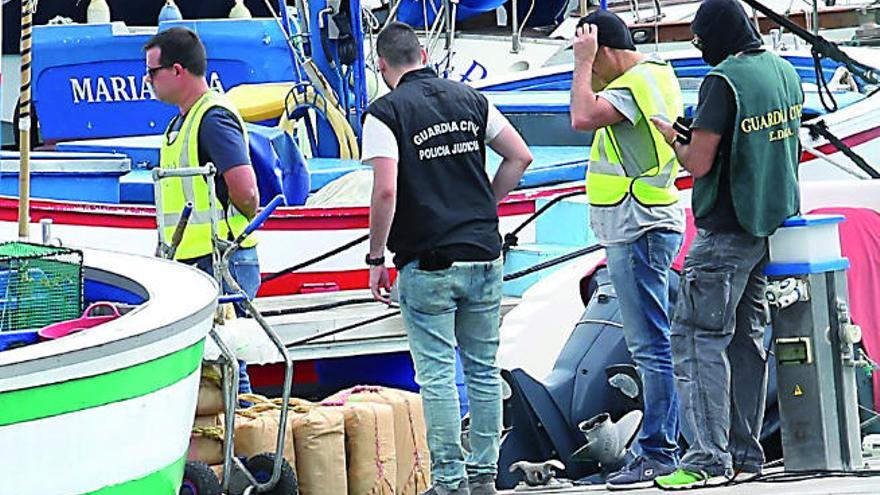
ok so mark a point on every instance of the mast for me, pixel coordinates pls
(28, 8)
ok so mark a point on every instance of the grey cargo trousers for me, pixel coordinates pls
(718, 352)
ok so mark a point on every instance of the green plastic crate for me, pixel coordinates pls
(39, 285)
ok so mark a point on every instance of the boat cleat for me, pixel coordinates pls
(539, 476)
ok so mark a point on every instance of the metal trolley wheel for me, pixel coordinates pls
(233, 467)
(199, 479)
(261, 466)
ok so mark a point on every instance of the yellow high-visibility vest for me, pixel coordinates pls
(182, 150)
(610, 179)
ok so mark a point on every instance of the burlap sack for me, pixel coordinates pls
(369, 447)
(319, 441)
(410, 433)
(256, 429)
(206, 440)
(210, 392)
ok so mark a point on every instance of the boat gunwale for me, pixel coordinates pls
(284, 218)
(180, 301)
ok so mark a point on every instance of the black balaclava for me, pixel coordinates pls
(724, 29)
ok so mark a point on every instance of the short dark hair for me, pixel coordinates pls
(399, 45)
(180, 45)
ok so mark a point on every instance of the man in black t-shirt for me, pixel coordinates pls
(434, 207)
(743, 154)
(716, 113)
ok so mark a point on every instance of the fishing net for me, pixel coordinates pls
(39, 285)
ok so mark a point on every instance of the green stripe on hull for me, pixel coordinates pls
(163, 482)
(84, 393)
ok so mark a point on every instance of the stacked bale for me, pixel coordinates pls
(206, 440)
(410, 433)
(369, 447)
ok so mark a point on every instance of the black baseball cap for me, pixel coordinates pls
(613, 32)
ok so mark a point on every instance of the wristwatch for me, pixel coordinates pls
(374, 261)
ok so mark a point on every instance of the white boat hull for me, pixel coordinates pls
(110, 409)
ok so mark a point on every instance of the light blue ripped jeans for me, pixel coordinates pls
(460, 305)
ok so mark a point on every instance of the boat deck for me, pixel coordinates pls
(849, 485)
(381, 336)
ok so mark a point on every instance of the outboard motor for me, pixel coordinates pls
(607, 441)
(595, 380)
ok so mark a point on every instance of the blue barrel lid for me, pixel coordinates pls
(787, 269)
(810, 220)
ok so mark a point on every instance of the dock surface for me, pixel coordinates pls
(377, 328)
(775, 485)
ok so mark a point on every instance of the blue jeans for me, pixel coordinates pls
(459, 305)
(245, 269)
(639, 272)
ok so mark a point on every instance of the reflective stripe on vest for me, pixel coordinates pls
(182, 150)
(614, 171)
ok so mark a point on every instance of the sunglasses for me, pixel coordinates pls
(151, 71)
(697, 42)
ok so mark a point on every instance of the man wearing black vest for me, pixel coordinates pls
(434, 206)
(743, 153)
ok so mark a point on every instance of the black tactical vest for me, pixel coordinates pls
(444, 196)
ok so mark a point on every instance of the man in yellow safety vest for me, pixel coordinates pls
(208, 129)
(635, 214)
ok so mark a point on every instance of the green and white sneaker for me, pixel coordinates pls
(682, 479)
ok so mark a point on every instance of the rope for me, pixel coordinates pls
(418, 463)
(289, 37)
(322, 257)
(212, 374)
(526, 18)
(823, 90)
(555, 261)
(305, 65)
(255, 398)
(210, 432)
(373, 24)
(842, 166)
(511, 239)
(821, 128)
(329, 333)
(316, 307)
(306, 96)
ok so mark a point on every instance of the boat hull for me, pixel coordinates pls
(142, 414)
(289, 237)
(110, 409)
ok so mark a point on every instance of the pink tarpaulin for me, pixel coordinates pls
(860, 242)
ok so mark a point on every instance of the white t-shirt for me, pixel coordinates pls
(379, 141)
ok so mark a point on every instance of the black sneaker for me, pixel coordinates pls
(483, 484)
(639, 473)
(441, 490)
